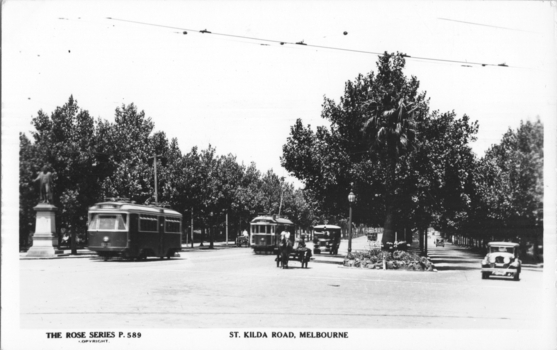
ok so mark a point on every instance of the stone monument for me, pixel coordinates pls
(44, 239)
(45, 228)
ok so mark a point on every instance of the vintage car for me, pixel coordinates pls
(326, 238)
(439, 242)
(501, 260)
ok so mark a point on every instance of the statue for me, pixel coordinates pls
(46, 178)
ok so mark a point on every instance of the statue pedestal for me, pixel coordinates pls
(45, 227)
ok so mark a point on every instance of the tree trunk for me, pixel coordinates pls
(388, 227)
(425, 241)
(536, 244)
(421, 237)
(211, 229)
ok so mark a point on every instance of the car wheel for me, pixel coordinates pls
(517, 276)
(484, 276)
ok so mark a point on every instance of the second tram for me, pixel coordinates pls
(266, 230)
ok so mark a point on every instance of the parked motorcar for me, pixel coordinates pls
(502, 260)
(326, 238)
(439, 242)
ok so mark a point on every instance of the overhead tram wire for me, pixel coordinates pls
(302, 43)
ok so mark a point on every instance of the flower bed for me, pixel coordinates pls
(398, 260)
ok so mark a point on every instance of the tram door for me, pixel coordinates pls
(133, 233)
(161, 235)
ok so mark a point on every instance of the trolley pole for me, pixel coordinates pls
(281, 194)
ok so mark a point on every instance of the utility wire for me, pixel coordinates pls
(205, 31)
(484, 25)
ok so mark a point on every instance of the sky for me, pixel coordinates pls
(242, 97)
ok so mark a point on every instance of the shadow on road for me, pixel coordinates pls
(121, 260)
(455, 268)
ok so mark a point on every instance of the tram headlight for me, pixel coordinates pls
(105, 238)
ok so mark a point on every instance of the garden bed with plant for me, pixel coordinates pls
(396, 260)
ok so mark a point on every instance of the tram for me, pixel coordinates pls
(266, 230)
(118, 228)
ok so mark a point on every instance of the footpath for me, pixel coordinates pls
(449, 257)
(86, 253)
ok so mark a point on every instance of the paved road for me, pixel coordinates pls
(233, 287)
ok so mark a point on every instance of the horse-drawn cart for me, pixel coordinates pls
(242, 241)
(303, 255)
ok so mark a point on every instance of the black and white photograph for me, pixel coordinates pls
(279, 174)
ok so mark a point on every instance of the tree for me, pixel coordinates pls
(510, 186)
(28, 195)
(439, 176)
(389, 124)
(129, 146)
(66, 141)
(371, 130)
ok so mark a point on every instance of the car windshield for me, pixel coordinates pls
(328, 234)
(496, 249)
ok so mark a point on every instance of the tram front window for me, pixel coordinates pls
(262, 229)
(107, 222)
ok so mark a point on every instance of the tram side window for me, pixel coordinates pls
(148, 223)
(172, 225)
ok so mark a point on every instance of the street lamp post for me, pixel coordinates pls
(154, 159)
(227, 228)
(351, 198)
(191, 228)
(211, 223)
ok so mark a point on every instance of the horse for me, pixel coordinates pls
(284, 249)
